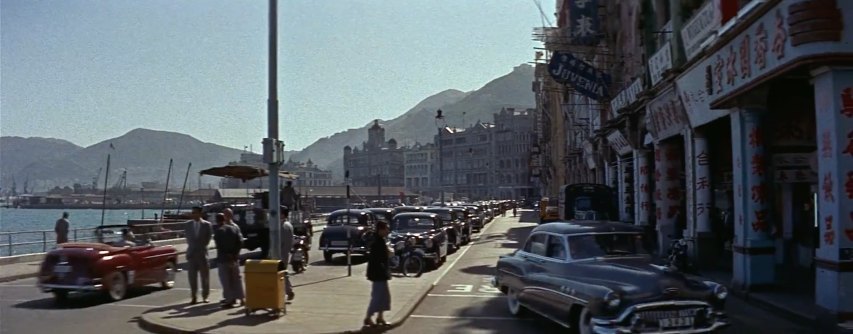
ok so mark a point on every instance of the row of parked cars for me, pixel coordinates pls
(434, 230)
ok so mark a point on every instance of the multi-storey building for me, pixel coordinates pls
(378, 163)
(420, 168)
(727, 121)
(514, 136)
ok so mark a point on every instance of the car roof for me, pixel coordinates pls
(416, 215)
(439, 208)
(587, 226)
(351, 212)
(380, 209)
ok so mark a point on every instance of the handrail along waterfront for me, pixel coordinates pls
(46, 238)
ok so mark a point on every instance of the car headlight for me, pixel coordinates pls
(399, 245)
(428, 243)
(721, 292)
(612, 299)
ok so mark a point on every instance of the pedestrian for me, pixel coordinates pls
(378, 272)
(286, 247)
(61, 229)
(229, 242)
(288, 198)
(198, 233)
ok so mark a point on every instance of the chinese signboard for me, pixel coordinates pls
(793, 168)
(627, 96)
(665, 115)
(706, 21)
(584, 78)
(619, 143)
(660, 62)
(761, 48)
(583, 22)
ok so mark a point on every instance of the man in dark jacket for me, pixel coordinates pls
(378, 272)
(228, 241)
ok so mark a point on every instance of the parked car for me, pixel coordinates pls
(382, 214)
(424, 231)
(458, 231)
(401, 209)
(107, 265)
(472, 216)
(597, 277)
(344, 227)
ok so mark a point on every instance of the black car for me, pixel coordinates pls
(471, 216)
(382, 214)
(458, 230)
(598, 277)
(406, 208)
(345, 228)
(425, 231)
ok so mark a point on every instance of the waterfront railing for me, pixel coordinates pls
(41, 241)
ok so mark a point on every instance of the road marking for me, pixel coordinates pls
(456, 260)
(467, 318)
(464, 296)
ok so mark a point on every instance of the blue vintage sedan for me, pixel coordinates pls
(597, 277)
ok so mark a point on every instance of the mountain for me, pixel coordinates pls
(418, 123)
(18, 152)
(143, 153)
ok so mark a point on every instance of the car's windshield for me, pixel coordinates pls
(606, 244)
(347, 219)
(444, 215)
(411, 224)
(381, 216)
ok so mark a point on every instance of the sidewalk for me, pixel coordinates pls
(327, 301)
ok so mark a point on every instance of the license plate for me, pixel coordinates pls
(297, 256)
(62, 269)
(339, 243)
(676, 322)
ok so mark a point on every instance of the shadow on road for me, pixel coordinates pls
(339, 260)
(201, 310)
(81, 300)
(529, 216)
(482, 270)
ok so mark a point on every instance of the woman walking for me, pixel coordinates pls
(378, 272)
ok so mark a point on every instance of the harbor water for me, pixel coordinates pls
(41, 221)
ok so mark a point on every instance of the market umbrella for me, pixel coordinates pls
(244, 172)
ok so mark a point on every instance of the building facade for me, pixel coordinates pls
(420, 161)
(736, 130)
(489, 160)
(378, 163)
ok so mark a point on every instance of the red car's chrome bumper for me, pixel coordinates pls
(87, 285)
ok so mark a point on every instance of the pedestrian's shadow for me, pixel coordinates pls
(187, 310)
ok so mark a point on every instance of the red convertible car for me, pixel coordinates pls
(116, 262)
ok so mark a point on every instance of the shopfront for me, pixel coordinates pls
(782, 80)
(622, 171)
(667, 123)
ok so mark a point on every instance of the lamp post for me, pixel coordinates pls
(440, 124)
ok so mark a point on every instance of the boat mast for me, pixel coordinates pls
(166, 192)
(106, 186)
(187, 176)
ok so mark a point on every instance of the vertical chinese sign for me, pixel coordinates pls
(642, 172)
(583, 22)
(702, 183)
(835, 164)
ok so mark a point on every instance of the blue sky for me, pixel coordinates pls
(87, 71)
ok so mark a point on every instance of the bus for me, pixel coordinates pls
(588, 201)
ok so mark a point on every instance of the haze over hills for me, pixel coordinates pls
(418, 124)
(145, 153)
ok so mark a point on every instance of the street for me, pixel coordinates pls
(463, 301)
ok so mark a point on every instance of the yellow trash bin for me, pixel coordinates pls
(264, 286)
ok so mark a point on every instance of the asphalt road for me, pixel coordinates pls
(464, 302)
(25, 309)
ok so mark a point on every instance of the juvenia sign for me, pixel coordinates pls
(583, 77)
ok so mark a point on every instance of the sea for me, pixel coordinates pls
(39, 220)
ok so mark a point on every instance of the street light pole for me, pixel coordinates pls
(440, 118)
(272, 146)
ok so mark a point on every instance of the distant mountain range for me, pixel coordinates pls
(144, 154)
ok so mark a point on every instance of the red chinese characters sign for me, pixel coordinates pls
(666, 116)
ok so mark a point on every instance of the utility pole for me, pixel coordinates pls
(272, 146)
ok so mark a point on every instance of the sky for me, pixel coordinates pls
(87, 71)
